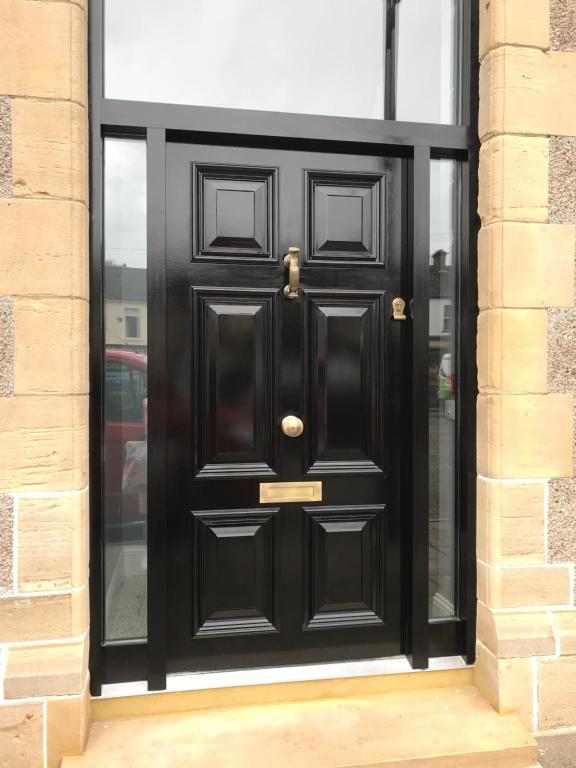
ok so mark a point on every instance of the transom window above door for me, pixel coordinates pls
(373, 59)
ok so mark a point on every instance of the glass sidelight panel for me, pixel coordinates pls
(443, 385)
(427, 60)
(323, 57)
(125, 390)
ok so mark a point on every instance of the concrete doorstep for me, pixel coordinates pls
(435, 728)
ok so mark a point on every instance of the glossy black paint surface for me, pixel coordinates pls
(135, 661)
(417, 553)
(255, 584)
(157, 409)
(257, 124)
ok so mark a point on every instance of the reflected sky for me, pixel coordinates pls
(320, 57)
(426, 63)
(125, 202)
(442, 190)
(324, 57)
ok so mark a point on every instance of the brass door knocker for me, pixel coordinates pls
(292, 261)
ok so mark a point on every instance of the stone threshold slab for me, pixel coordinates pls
(260, 692)
(437, 728)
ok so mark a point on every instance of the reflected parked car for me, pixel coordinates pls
(125, 415)
(447, 385)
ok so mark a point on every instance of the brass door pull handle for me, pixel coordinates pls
(292, 261)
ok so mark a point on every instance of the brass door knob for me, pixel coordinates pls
(292, 426)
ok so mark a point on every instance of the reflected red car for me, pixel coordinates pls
(125, 419)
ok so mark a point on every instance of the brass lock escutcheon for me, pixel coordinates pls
(292, 426)
(398, 307)
(292, 261)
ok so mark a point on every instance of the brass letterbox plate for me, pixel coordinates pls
(284, 492)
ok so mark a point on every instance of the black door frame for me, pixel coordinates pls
(418, 143)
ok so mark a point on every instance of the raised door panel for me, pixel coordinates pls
(346, 550)
(346, 352)
(345, 217)
(235, 381)
(234, 572)
(234, 213)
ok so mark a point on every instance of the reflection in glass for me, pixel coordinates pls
(442, 367)
(427, 60)
(125, 389)
(323, 57)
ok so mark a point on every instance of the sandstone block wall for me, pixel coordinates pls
(526, 352)
(527, 360)
(44, 703)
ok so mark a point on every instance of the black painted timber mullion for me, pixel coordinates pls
(419, 628)
(391, 58)
(97, 673)
(466, 441)
(468, 315)
(469, 392)
(467, 63)
(246, 122)
(157, 539)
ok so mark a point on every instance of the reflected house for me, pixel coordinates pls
(441, 309)
(125, 318)
(441, 338)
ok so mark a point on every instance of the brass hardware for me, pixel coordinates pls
(284, 492)
(398, 306)
(291, 260)
(292, 426)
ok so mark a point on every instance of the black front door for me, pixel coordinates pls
(283, 547)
